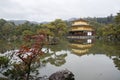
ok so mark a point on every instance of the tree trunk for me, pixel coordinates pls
(28, 72)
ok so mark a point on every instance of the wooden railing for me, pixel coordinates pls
(80, 37)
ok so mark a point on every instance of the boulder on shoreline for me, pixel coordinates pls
(62, 75)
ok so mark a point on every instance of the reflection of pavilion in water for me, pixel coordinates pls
(81, 46)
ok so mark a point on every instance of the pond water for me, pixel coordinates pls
(86, 59)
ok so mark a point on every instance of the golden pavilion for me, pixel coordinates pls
(80, 29)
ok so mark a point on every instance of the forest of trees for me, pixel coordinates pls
(33, 37)
(11, 32)
(105, 27)
(36, 35)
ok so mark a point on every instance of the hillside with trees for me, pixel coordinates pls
(109, 29)
(11, 32)
(105, 27)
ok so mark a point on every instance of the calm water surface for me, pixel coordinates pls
(87, 59)
(97, 60)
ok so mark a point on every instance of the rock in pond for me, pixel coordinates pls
(62, 75)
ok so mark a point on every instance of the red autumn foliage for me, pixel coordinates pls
(29, 54)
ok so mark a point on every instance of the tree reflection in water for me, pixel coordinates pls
(56, 54)
(7, 46)
(110, 49)
(56, 60)
(117, 62)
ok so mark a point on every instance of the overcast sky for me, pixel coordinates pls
(48, 10)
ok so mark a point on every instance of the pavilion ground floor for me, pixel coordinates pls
(81, 34)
